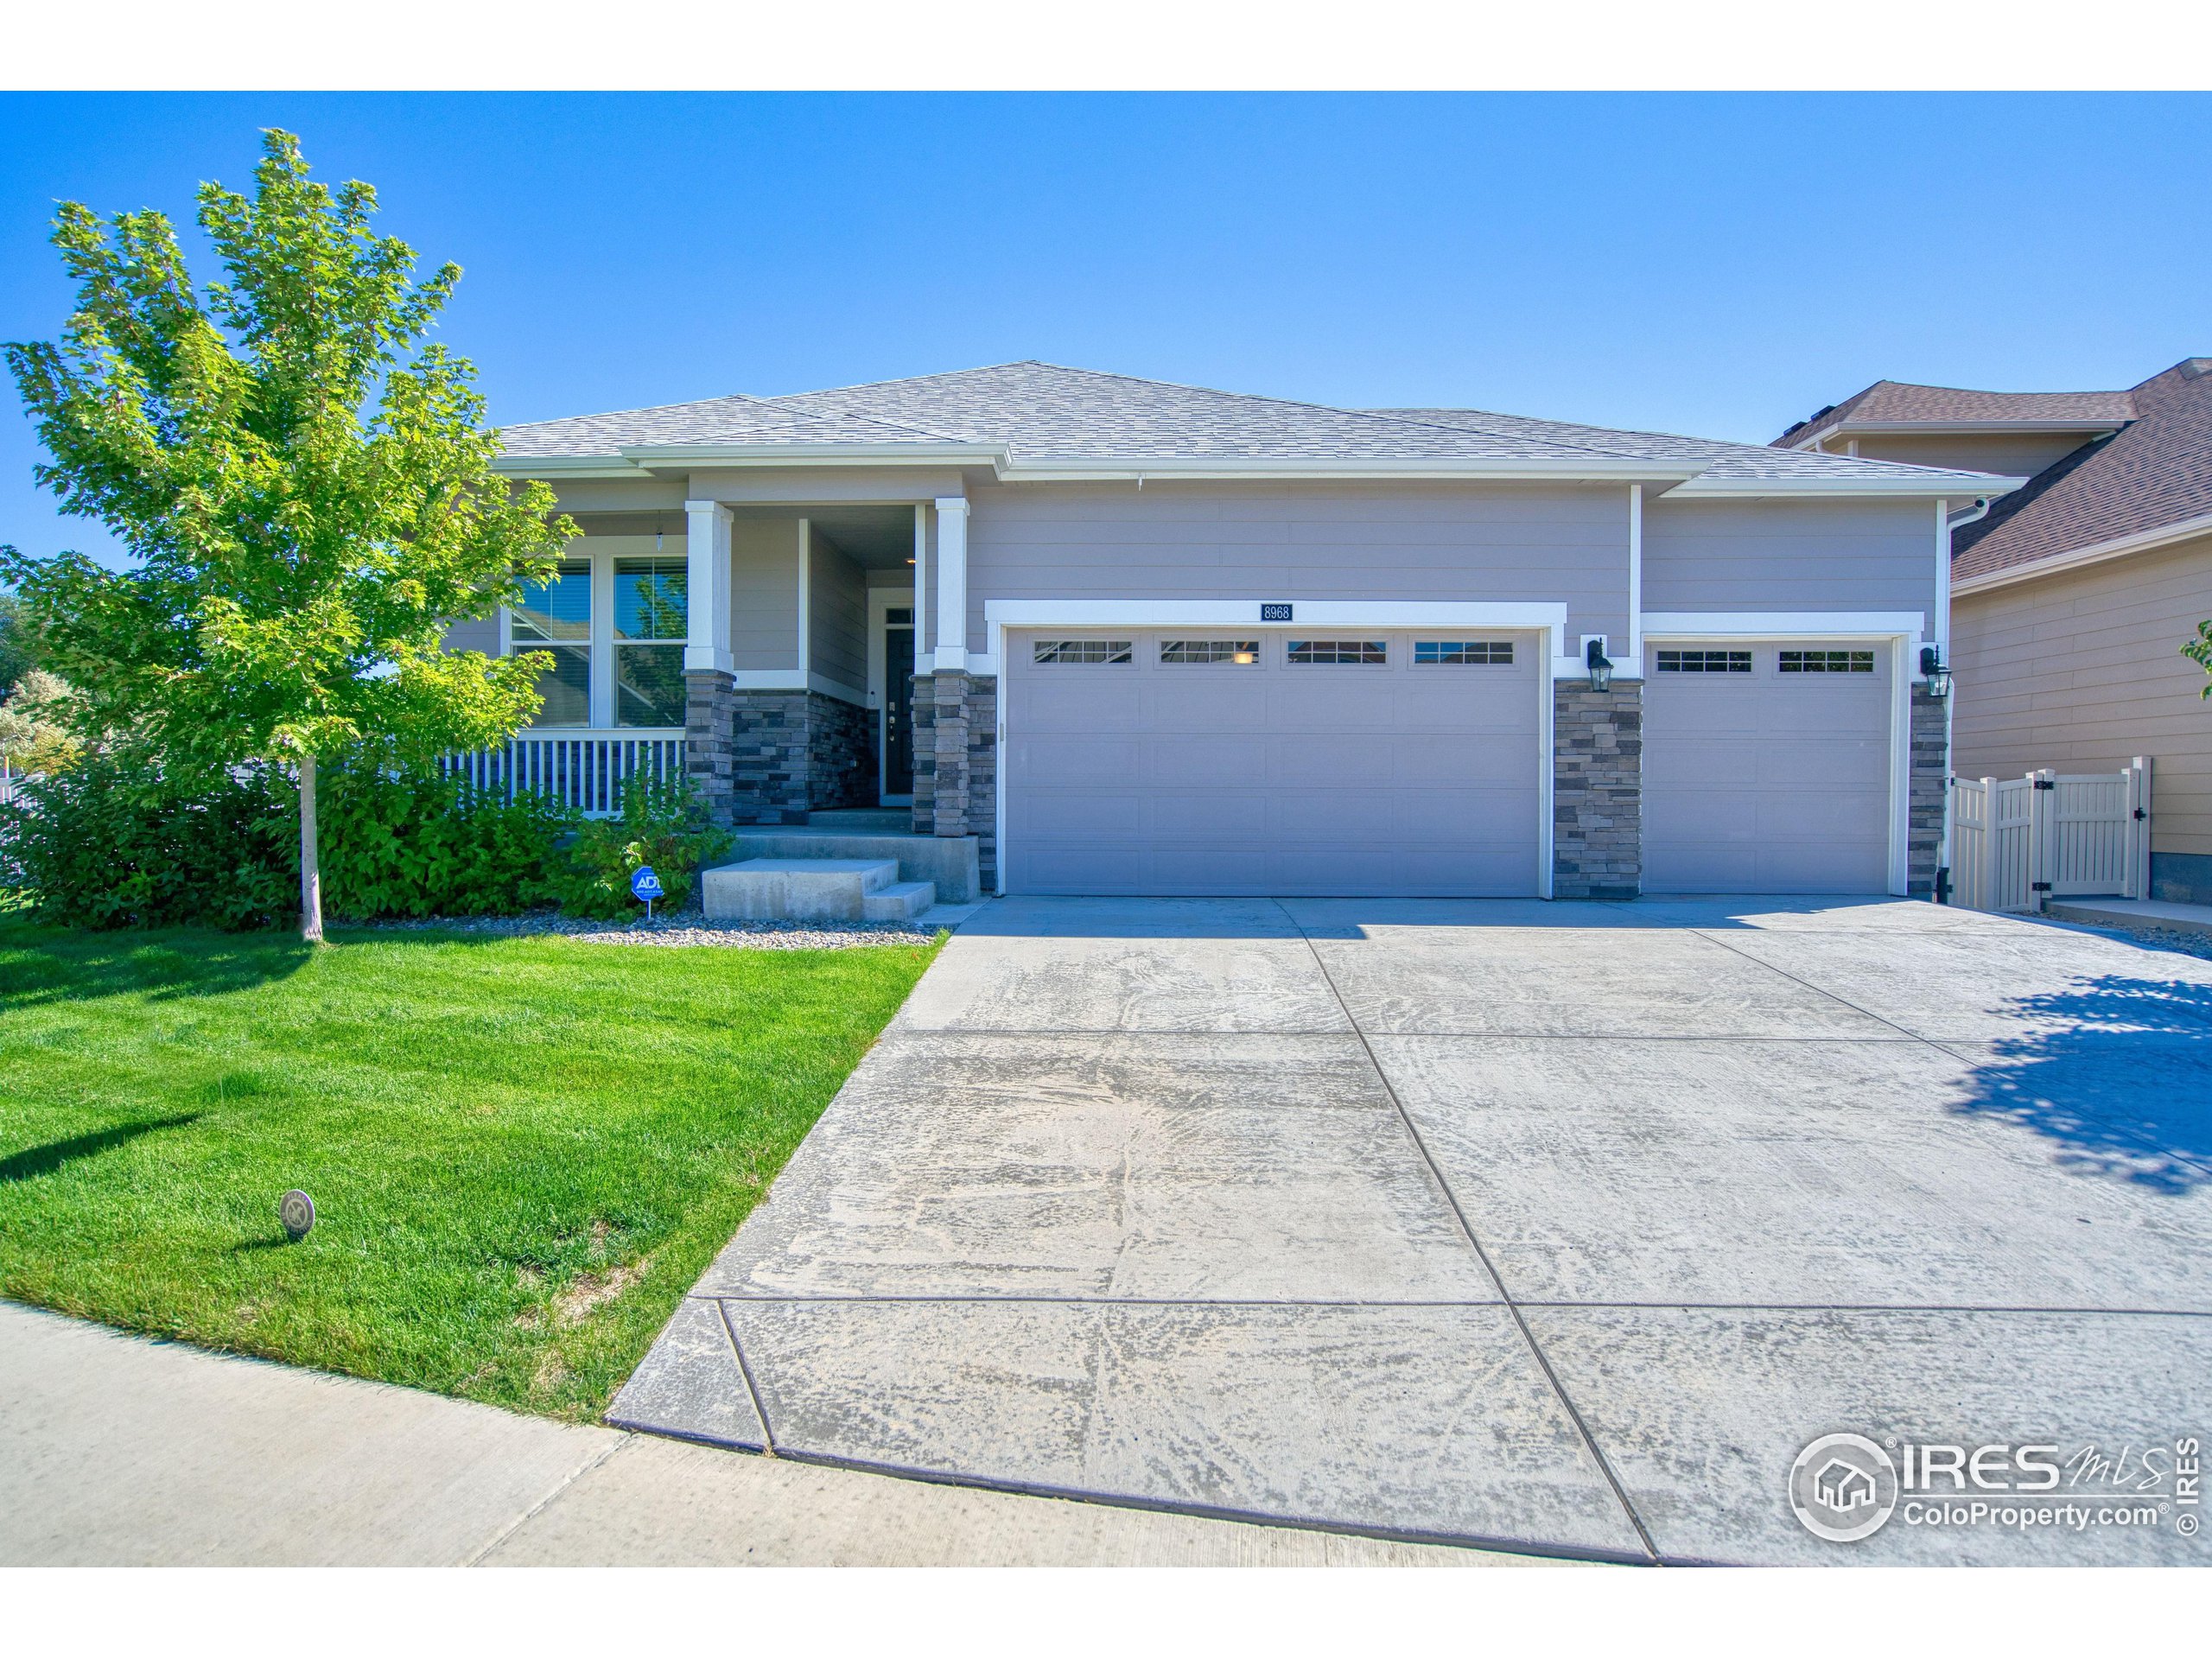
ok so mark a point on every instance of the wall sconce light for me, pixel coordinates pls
(1932, 671)
(1600, 665)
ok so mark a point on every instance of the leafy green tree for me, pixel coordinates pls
(18, 651)
(2199, 650)
(307, 486)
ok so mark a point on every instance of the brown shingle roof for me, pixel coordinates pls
(1900, 402)
(2155, 472)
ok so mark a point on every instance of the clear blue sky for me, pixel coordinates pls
(1716, 265)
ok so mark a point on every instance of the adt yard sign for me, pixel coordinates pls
(646, 885)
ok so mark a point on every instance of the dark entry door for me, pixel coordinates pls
(898, 702)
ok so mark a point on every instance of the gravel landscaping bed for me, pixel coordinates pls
(2152, 936)
(684, 927)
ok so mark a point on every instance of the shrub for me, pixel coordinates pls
(403, 842)
(662, 824)
(115, 841)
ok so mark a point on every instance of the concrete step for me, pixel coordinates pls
(794, 889)
(900, 902)
(951, 861)
(865, 820)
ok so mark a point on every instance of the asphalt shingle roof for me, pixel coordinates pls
(1901, 402)
(2154, 471)
(1045, 411)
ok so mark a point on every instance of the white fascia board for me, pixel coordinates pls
(1991, 429)
(1785, 625)
(2096, 553)
(813, 454)
(565, 467)
(1122, 469)
(1954, 485)
(1245, 613)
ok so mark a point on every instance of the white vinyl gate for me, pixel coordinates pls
(2019, 842)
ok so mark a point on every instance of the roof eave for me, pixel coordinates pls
(1958, 487)
(1994, 427)
(2143, 541)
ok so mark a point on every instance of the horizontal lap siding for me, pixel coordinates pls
(1789, 555)
(764, 593)
(2083, 670)
(837, 597)
(1400, 540)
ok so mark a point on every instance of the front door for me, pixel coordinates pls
(899, 701)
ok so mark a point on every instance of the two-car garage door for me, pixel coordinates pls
(1241, 760)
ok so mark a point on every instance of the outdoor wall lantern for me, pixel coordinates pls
(1600, 665)
(1932, 671)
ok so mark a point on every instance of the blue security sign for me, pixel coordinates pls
(644, 885)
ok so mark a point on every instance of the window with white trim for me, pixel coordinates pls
(651, 618)
(1462, 650)
(1209, 650)
(1826, 661)
(1082, 650)
(1705, 662)
(556, 618)
(1338, 650)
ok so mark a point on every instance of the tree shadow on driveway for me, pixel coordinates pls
(2123, 1084)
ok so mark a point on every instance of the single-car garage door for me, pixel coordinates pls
(1233, 761)
(1766, 767)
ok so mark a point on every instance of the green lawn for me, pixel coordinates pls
(521, 1151)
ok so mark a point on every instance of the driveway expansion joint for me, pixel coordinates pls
(1459, 1210)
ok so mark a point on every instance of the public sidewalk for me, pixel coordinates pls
(115, 1450)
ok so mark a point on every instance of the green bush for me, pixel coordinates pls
(115, 842)
(662, 824)
(398, 841)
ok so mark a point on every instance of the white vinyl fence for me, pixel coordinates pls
(2019, 842)
(10, 781)
(585, 769)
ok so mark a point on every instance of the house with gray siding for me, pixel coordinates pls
(1127, 637)
(2072, 596)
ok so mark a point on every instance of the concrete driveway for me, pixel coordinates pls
(1563, 1227)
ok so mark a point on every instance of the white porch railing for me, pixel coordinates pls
(583, 768)
(2019, 842)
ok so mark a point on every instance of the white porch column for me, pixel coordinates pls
(706, 544)
(951, 583)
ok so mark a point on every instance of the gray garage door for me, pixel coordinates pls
(1233, 760)
(1766, 767)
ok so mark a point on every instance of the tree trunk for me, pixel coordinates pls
(310, 862)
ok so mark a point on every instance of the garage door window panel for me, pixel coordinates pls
(1235, 653)
(1339, 653)
(1824, 662)
(1463, 653)
(1705, 662)
(1083, 653)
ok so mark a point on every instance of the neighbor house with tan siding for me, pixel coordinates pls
(2073, 596)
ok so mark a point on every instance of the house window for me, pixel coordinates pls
(1462, 650)
(1705, 662)
(1209, 650)
(651, 618)
(1827, 662)
(557, 618)
(1338, 650)
(1082, 650)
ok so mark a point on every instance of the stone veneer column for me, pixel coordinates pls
(709, 713)
(956, 761)
(1597, 790)
(1927, 781)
